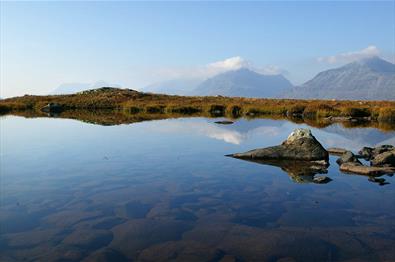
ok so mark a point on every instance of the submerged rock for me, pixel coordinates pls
(300, 145)
(336, 150)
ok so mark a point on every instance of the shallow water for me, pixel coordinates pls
(163, 190)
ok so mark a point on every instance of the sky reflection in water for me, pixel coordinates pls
(163, 190)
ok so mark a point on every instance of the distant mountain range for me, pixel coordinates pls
(367, 79)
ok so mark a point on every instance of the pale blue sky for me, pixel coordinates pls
(45, 44)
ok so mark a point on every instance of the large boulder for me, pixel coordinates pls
(300, 145)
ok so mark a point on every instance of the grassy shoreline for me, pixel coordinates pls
(134, 102)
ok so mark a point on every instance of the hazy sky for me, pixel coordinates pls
(45, 44)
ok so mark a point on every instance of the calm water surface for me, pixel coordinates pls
(163, 190)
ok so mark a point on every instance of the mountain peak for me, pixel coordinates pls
(375, 63)
(241, 70)
(370, 78)
(243, 82)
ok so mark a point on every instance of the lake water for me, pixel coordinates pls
(163, 190)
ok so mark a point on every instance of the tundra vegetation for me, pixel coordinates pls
(138, 105)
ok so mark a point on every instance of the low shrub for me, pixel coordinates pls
(296, 110)
(217, 110)
(155, 109)
(356, 112)
(386, 114)
(185, 110)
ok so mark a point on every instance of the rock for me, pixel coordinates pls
(384, 159)
(321, 179)
(376, 180)
(300, 145)
(380, 181)
(349, 162)
(224, 122)
(336, 151)
(352, 167)
(339, 118)
(52, 107)
(381, 149)
(348, 157)
(366, 152)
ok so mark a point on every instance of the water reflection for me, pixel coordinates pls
(163, 190)
(111, 117)
(298, 171)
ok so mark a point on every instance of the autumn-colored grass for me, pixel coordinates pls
(136, 102)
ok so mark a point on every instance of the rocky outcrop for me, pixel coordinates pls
(300, 145)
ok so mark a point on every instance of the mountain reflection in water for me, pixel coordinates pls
(163, 190)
